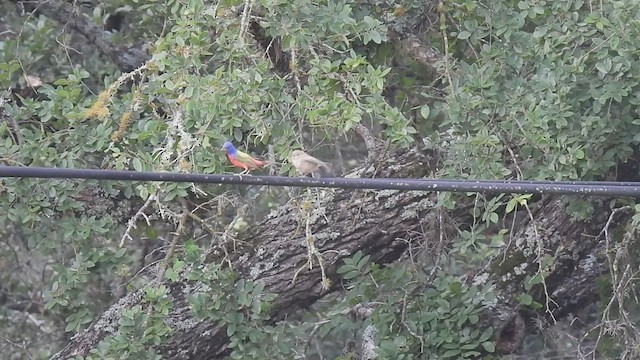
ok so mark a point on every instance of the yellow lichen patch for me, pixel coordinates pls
(183, 51)
(184, 165)
(124, 124)
(152, 65)
(399, 11)
(99, 109)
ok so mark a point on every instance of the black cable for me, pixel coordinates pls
(549, 182)
(485, 186)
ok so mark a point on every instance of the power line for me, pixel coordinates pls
(594, 188)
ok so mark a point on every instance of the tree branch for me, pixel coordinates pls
(345, 222)
(372, 143)
(371, 221)
(415, 48)
(65, 13)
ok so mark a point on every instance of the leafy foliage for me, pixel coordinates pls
(541, 80)
(196, 92)
(527, 89)
(413, 316)
(141, 330)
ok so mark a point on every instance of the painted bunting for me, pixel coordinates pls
(307, 164)
(241, 159)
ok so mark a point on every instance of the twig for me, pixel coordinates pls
(22, 347)
(131, 224)
(443, 29)
(540, 259)
(293, 65)
(312, 250)
(174, 242)
(618, 283)
(406, 326)
(244, 22)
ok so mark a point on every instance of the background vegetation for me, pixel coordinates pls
(504, 89)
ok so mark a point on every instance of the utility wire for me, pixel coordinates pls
(594, 188)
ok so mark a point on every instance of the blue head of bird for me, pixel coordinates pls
(228, 147)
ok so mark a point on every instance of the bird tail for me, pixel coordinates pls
(263, 163)
(324, 171)
(326, 166)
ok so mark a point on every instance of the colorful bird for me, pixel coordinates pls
(307, 164)
(241, 159)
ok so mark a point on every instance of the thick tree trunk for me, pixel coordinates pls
(375, 222)
(570, 254)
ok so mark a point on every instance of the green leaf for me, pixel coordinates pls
(345, 269)
(604, 66)
(71, 326)
(525, 299)
(494, 218)
(350, 275)
(119, 253)
(489, 346)
(451, 353)
(425, 111)
(464, 35)
(375, 37)
(137, 164)
(486, 334)
(540, 31)
(231, 329)
(536, 279)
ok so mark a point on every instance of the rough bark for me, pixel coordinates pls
(345, 221)
(274, 250)
(371, 221)
(575, 250)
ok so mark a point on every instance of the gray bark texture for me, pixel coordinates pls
(377, 223)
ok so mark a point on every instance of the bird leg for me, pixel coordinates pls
(241, 173)
(244, 172)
